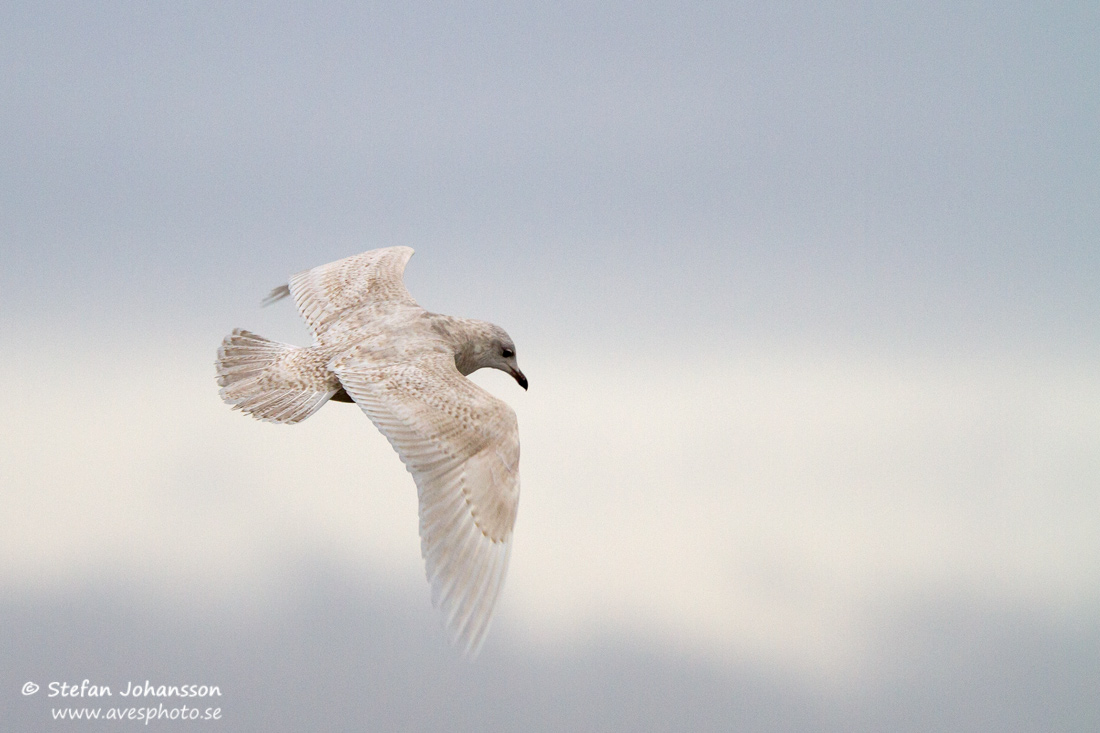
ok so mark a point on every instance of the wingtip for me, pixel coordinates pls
(276, 295)
(469, 616)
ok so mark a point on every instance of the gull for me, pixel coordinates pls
(406, 369)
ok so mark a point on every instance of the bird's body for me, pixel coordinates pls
(405, 367)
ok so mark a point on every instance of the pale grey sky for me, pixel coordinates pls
(809, 299)
(925, 171)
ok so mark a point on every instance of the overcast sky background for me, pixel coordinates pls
(809, 300)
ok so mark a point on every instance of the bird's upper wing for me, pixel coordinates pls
(326, 294)
(461, 445)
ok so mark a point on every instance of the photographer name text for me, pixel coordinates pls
(133, 689)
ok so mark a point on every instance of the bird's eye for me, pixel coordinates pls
(507, 353)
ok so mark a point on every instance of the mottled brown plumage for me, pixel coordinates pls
(405, 367)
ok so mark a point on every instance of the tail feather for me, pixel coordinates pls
(265, 379)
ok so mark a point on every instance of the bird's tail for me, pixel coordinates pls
(269, 380)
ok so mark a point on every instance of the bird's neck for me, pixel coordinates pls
(467, 338)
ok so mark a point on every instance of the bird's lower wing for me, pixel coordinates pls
(461, 445)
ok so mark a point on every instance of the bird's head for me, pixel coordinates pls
(503, 357)
(492, 348)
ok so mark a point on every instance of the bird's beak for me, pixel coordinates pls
(518, 376)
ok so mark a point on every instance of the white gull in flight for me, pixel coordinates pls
(405, 367)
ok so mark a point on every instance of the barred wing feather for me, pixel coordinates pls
(461, 445)
(326, 294)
